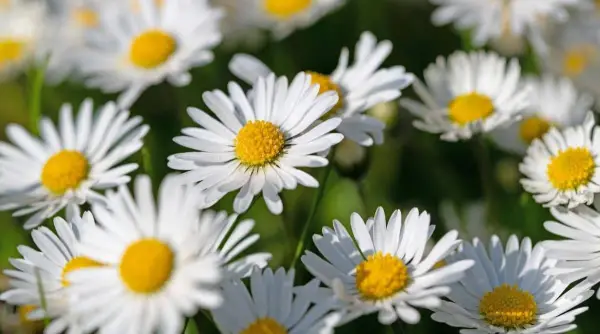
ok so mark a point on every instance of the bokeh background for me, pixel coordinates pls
(412, 169)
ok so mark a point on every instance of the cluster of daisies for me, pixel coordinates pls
(117, 260)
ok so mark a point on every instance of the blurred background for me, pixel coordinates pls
(459, 184)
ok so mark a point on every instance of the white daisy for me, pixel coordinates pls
(470, 93)
(239, 28)
(69, 164)
(563, 167)
(159, 267)
(470, 221)
(258, 141)
(387, 271)
(274, 305)
(492, 19)
(132, 50)
(359, 86)
(510, 291)
(555, 102)
(39, 281)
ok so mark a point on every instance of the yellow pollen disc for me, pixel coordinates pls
(440, 264)
(259, 143)
(533, 128)
(326, 85)
(152, 48)
(78, 262)
(10, 50)
(381, 276)
(147, 265)
(86, 17)
(577, 59)
(265, 326)
(508, 307)
(286, 8)
(471, 107)
(64, 171)
(571, 168)
(23, 311)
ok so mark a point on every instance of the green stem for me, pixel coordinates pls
(313, 211)
(42, 297)
(35, 96)
(486, 177)
(147, 161)
(398, 327)
(203, 319)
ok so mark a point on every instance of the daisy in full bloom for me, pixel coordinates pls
(492, 19)
(388, 271)
(39, 283)
(467, 94)
(359, 86)
(159, 267)
(562, 168)
(274, 305)
(555, 102)
(510, 291)
(258, 141)
(69, 164)
(134, 49)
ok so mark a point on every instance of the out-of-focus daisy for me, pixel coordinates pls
(132, 50)
(238, 28)
(562, 168)
(39, 283)
(359, 86)
(259, 141)
(492, 19)
(555, 102)
(510, 291)
(274, 305)
(388, 271)
(159, 267)
(21, 30)
(470, 93)
(69, 164)
(470, 221)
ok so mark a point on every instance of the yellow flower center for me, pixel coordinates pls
(265, 326)
(577, 59)
(78, 262)
(286, 8)
(86, 17)
(24, 311)
(471, 107)
(533, 128)
(381, 276)
(326, 85)
(508, 307)
(147, 265)
(10, 50)
(152, 48)
(571, 168)
(64, 171)
(259, 143)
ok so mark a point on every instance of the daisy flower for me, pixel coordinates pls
(239, 28)
(555, 102)
(359, 86)
(258, 141)
(132, 50)
(160, 266)
(470, 93)
(561, 168)
(388, 270)
(274, 305)
(69, 164)
(496, 18)
(510, 291)
(39, 283)
(470, 221)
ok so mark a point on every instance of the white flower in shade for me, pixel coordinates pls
(69, 164)
(132, 50)
(470, 93)
(388, 271)
(359, 86)
(510, 291)
(274, 305)
(555, 102)
(562, 168)
(258, 141)
(470, 221)
(494, 19)
(159, 267)
(237, 27)
(39, 281)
